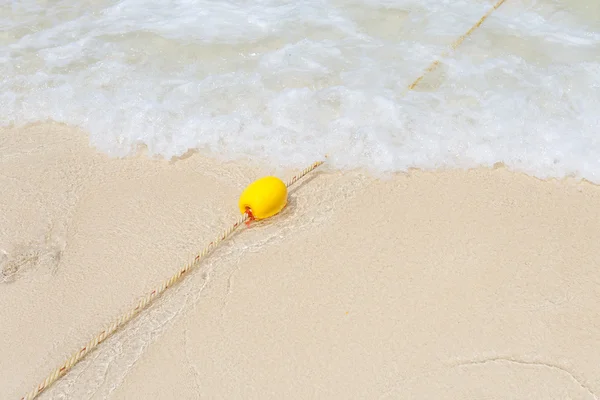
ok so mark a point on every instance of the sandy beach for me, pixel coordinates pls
(423, 285)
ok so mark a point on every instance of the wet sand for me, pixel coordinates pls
(450, 284)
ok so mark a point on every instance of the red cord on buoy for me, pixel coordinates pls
(250, 216)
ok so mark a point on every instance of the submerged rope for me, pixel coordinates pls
(455, 44)
(143, 303)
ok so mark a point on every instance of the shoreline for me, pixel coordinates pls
(427, 293)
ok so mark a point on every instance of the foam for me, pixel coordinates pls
(288, 83)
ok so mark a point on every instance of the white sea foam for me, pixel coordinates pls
(291, 81)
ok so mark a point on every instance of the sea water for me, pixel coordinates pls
(290, 81)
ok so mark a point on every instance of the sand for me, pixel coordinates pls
(450, 284)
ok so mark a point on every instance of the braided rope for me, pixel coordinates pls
(454, 45)
(142, 303)
(305, 171)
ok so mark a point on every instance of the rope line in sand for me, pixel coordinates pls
(455, 44)
(143, 303)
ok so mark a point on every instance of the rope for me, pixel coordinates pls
(92, 344)
(305, 171)
(144, 302)
(454, 45)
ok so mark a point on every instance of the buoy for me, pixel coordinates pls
(264, 198)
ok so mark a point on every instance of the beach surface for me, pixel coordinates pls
(466, 284)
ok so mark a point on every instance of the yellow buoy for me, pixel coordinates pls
(264, 197)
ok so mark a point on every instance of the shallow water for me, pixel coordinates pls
(289, 82)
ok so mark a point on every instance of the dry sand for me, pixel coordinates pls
(455, 285)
